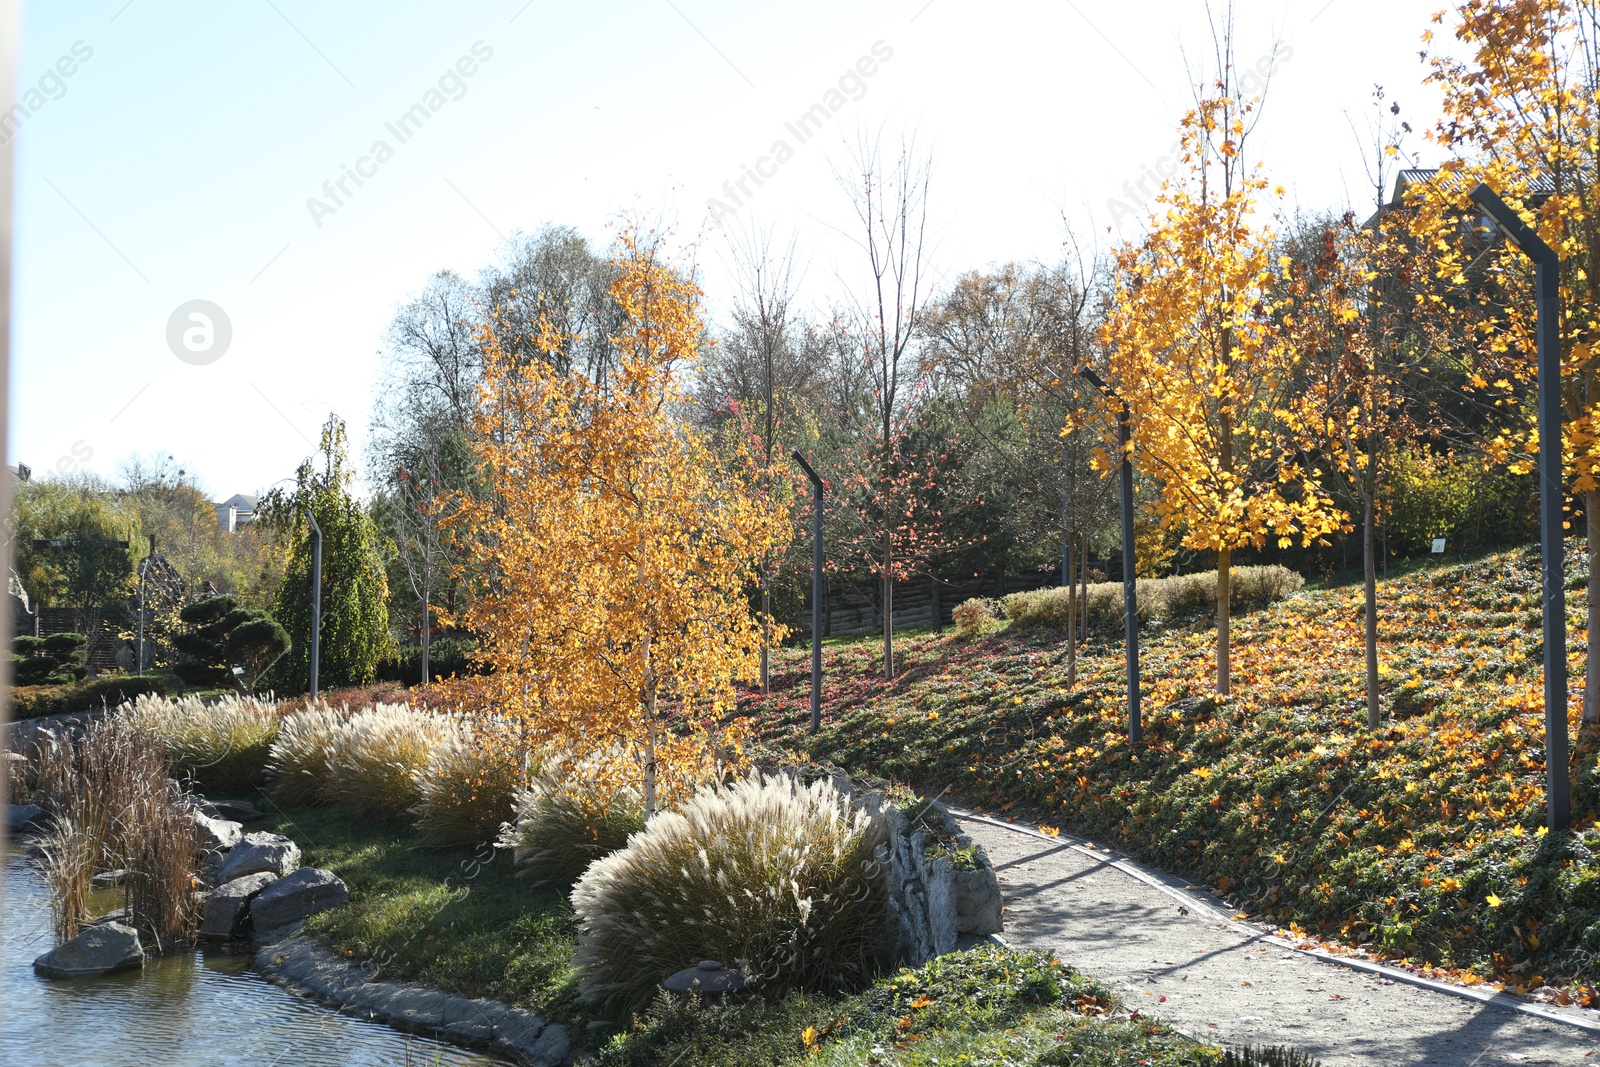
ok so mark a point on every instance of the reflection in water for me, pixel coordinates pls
(200, 1008)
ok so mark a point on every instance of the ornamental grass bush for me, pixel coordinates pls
(769, 875)
(376, 754)
(1159, 599)
(299, 757)
(223, 745)
(469, 786)
(567, 819)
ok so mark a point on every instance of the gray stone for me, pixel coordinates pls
(22, 818)
(222, 916)
(296, 895)
(214, 834)
(260, 852)
(108, 879)
(237, 810)
(97, 950)
(978, 903)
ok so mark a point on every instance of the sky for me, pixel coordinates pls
(220, 206)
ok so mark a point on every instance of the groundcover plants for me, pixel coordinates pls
(1422, 841)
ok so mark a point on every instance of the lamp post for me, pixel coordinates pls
(144, 577)
(1547, 296)
(1130, 587)
(816, 591)
(316, 597)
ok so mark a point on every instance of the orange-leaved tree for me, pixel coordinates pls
(1521, 112)
(1195, 351)
(615, 554)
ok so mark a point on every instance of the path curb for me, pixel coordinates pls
(1206, 906)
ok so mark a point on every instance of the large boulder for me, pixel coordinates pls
(97, 950)
(260, 852)
(223, 915)
(214, 834)
(297, 895)
(23, 818)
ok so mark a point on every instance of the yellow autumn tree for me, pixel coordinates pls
(613, 555)
(1195, 350)
(1521, 112)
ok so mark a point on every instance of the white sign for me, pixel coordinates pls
(1438, 546)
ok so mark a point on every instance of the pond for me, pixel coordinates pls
(205, 1007)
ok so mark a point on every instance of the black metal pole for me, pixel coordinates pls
(1547, 292)
(816, 591)
(1130, 586)
(1130, 582)
(316, 598)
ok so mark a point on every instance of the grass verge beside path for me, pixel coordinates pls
(453, 919)
(1422, 841)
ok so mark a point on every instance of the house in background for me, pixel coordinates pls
(236, 511)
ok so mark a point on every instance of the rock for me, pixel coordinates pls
(97, 950)
(223, 915)
(213, 834)
(237, 810)
(297, 895)
(260, 852)
(108, 879)
(22, 818)
(978, 903)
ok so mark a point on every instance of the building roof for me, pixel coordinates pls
(243, 502)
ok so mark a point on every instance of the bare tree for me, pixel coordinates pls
(890, 198)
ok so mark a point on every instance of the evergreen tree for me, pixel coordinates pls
(355, 591)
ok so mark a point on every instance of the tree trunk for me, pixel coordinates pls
(888, 618)
(1591, 677)
(427, 630)
(766, 632)
(1083, 589)
(1369, 565)
(1224, 591)
(1072, 613)
(649, 701)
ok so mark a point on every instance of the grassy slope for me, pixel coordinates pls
(1423, 841)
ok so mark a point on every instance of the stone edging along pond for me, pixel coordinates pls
(304, 966)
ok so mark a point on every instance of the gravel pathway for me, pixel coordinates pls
(1171, 955)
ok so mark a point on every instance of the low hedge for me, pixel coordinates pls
(1159, 599)
(107, 690)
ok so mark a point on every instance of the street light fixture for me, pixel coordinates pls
(316, 598)
(1130, 588)
(1547, 296)
(816, 591)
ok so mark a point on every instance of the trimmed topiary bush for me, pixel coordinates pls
(771, 876)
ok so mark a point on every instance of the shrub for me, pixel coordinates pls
(57, 659)
(376, 754)
(222, 637)
(770, 875)
(469, 785)
(448, 657)
(975, 617)
(567, 818)
(1158, 599)
(298, 760)
(221, 745)
(108, 690)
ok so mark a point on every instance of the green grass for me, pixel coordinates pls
(453, 919)
(985, 1006)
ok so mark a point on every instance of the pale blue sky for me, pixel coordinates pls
(175, 164)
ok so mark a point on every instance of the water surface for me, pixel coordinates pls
(203, 1008)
